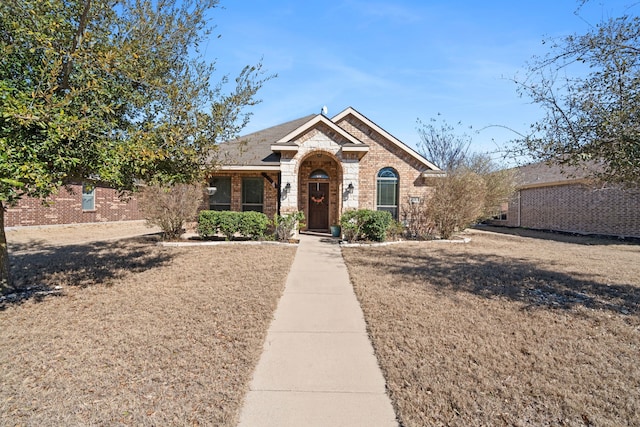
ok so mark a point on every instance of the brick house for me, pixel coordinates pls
(321, 166)
(316, 164)
(76, 203)
(549, 199)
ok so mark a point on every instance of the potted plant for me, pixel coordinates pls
(335, 230)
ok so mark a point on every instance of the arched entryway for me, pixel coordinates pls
(320, 178)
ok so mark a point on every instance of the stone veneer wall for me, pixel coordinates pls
(66, 208)
(323, 161)
(323, 141)
(577, 208)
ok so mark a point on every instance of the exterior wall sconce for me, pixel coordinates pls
(287, 188)
(211, 191)
(350, 188)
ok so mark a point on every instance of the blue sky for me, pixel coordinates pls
(397, 61)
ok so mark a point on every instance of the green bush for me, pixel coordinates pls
(365, 224)
(228, 223)
(351, 226)
(253, 224)
(207, 223)
(247, 224)
(376, 225)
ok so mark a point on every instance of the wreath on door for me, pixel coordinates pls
(317, 200)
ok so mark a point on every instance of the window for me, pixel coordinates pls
(501, 215)
(319, 174)
(88, 197)
(252, 194)
(387, 191)
(221, 199)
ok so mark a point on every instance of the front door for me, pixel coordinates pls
(318, 206)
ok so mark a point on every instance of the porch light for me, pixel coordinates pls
(287, 188)
(350, 188)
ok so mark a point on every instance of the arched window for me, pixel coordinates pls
(387, 191)
(319, 174)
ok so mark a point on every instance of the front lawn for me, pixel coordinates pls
(505, 330)
(142, 335)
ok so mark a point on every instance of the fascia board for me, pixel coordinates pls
(387, 135)
(316, 120)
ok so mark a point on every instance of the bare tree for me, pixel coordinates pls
(472, 190)
(442, 143)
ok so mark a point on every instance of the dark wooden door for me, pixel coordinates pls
(318, 206)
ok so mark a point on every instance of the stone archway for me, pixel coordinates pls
(319, 190)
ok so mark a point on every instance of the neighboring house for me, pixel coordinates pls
(322, 166)
(549, 199)
(76, 203)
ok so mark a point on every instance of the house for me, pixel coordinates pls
(551, 198)
(321, 166)
(77, 202)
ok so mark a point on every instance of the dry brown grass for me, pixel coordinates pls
(143, 335)
(505, 330)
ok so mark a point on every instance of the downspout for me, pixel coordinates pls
(519, 206)
(279, 193)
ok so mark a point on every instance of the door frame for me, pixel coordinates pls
(327, 198)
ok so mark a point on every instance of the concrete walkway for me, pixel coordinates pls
(317, 367)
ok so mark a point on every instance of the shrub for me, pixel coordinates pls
(351, 225)
(253, 224)
(365, 224)
(417, 219)
(395, 230)
(376, 225)
(457, 202)
(247, 224)
(286, 224)
(208, 223)
(169, 207)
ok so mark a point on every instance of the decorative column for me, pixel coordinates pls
(288, 186)
(350, 174)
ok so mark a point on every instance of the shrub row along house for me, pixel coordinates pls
(318, 165)
(551, 198)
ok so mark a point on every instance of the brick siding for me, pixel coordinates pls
(269, 196)
(577, 208)
(383, 153)
(65, 207)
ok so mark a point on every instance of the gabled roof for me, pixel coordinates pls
(312, 123)
(352, 111)
(253, 151)
(261, 150)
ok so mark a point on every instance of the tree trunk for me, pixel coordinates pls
(5, 280)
